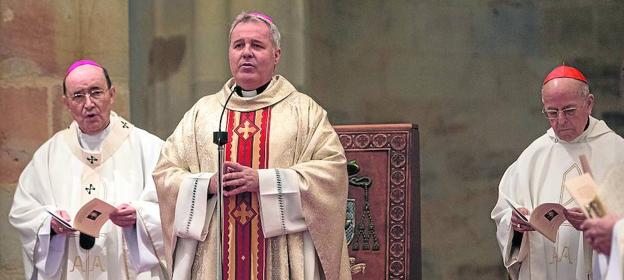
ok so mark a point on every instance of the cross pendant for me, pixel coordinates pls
(90, 188)
(91, 159)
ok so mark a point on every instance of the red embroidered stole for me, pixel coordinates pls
(243, 244)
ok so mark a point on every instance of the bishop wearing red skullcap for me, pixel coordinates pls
(85, 207)
(565, 72)
(538, 175)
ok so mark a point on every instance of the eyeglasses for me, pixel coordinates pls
(554, 114)
(93, 93)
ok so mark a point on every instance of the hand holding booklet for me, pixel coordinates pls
(545, 218)
(89, 219)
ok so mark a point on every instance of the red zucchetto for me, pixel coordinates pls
(565, 72)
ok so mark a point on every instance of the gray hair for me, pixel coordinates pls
(255, 17)
(583, 90)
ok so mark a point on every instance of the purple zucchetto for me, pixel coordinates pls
(263, 16)
(79, 63)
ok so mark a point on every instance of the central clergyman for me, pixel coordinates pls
(285, 175)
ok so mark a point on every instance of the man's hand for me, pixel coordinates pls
(239, 179)
(518, 224)
(575, 216)
(213, 184)
(598, 232)
(58, 227)
(124, 216)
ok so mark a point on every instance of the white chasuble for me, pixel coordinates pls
(64, 176)
(537, 177)
(293, 228)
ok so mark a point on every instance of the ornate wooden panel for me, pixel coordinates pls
(383, 231)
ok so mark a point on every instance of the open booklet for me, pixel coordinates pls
(545, 218)
(90, 218)
(585, 192)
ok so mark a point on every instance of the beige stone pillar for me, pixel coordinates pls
(210, 46)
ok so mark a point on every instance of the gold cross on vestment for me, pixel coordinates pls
(247, 129)
(243, 214)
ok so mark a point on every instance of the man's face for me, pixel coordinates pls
(252, 55)
(565, 94)
(91, 111)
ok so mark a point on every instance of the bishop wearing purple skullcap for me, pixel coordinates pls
(86, 206)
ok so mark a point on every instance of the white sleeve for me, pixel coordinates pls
(599, 265)
(614, 269)
(281, 211)
(141, 254)
(50, 250)
(513, 255)
(192, 207)
(183, 261)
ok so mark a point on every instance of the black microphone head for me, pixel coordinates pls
(220, 137)
(86, 241)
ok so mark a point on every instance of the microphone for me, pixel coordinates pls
(220, 137)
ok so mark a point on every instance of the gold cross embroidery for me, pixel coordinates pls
(246, 130)
(244, 214)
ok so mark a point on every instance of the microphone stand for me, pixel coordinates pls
(220, 138)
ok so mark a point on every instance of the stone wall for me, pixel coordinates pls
(38, 41)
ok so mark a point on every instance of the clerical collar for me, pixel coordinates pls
(250, 93)
(92, 143)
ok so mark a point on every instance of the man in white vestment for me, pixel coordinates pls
(537, 177)
(285, 182)
(102, 156)
(606, 236)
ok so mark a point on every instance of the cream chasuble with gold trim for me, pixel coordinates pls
(64, 176)
(286, 136)
(537, 177)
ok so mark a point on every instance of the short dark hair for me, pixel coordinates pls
(109, 83)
